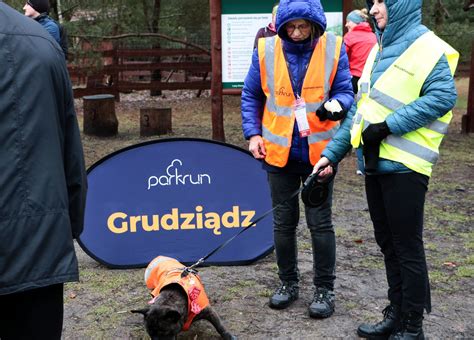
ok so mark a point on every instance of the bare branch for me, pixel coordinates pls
(128, 35)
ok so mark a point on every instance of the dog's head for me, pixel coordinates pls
(162, 322)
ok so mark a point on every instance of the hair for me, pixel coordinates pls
(275, 7)
(358, 15)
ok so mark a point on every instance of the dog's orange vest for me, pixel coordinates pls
(278, 117)
(163, 271)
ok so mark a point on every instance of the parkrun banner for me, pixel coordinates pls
(179, 198)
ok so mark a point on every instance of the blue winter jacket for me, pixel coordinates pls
(298, 57)
(50, 25)
(438, 94)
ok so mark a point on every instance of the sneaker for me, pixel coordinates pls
(285, 294)
(323, 303)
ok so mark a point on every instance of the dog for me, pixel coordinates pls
(178, 300)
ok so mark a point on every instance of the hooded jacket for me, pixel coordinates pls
(298, 55)
(359, 43)
(42, 173)
(438, 94)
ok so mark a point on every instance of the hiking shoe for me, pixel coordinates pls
(285, 294)
(323, 303)
(382, 329)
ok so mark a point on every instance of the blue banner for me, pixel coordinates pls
(180, 198)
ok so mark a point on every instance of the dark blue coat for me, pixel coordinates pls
(42, 173)
(298, 56)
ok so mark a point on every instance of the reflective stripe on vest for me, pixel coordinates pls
(418, 150)
(278, 118)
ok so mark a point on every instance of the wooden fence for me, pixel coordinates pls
(126, 70)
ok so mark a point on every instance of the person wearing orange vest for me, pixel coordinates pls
(297, 89)
(163, 271)
(406, 93)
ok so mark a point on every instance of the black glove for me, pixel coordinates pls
(375, 133)
(372, 136)
(324, 114)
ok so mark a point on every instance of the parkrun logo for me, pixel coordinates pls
(120, 222)
(173, 177)
(282, 92)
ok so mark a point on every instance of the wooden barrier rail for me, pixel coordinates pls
(121, 67)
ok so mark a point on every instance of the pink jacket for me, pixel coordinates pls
(359, 42)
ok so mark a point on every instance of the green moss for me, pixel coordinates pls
(467, 271)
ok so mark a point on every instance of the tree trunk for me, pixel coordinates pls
(155, 121)
(99, 115)
(155, 27)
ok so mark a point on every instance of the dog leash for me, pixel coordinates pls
(190, 269)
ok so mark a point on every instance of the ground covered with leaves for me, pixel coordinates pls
(98, 306)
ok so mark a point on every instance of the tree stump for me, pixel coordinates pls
(99, 115)
(155, 121)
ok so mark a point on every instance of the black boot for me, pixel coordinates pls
(411, 328)
(284, 295)
(382, 329)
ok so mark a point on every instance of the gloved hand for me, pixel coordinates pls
(331, 110)
(372, 136)
(375, 133)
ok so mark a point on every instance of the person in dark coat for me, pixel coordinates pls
(38, 10)
(42, 180)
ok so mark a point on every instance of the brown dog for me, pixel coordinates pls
(178, 300)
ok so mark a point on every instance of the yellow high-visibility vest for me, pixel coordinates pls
(398, 86)
(278, 117)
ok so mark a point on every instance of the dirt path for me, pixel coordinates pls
(97, 307)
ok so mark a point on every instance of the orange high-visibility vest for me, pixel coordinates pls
(278, 116)
(163, 271)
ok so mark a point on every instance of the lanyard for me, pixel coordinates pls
(296, 85)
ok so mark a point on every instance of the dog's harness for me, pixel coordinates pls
(163, 271)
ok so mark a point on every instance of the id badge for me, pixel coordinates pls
(299, 107)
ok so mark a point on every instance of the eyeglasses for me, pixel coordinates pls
(303, 27)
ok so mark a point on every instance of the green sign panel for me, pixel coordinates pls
(241, 19)
(265, 6)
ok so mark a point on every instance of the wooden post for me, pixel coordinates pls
(216, 81)
(467, 124)
(155, 121)
(346, 9)
(99, 115)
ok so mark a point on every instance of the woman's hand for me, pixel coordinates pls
(256, 147)
(327, 172)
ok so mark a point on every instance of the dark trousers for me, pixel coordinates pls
(285, 220)
(35, 314)
(396, 203)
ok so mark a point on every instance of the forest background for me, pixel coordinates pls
(189, 20)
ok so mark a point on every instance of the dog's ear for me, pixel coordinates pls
(143, 311)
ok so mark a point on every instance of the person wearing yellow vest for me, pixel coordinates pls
(406, 92)
(296, 90)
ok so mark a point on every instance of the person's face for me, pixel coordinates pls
(29, 11)
(298, 30)
(350, 25)
(379, 11)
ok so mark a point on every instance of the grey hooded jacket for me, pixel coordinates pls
(42, 173)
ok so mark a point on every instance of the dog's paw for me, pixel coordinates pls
(228, 336)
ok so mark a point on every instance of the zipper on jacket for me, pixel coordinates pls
(378, 59)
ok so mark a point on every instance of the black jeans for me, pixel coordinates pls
(285, 220)
(32, 314)
(396, 203)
